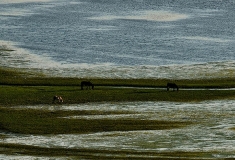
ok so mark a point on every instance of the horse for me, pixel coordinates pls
(172, 85)
(58, 99)
(88, 84)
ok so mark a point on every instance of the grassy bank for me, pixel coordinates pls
(33, 95)
(15, 77)
(19, 88)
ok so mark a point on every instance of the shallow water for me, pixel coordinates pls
(210, 133)
(28, 62)
(183, 39)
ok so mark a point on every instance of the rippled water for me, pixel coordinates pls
(183, 39)
(120, 39)
(210, 133)
(32, 62)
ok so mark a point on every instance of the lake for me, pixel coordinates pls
(120, 39)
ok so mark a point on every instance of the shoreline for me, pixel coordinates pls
(15, 76)
(19, 88)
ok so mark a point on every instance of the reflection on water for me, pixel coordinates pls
(210, 133)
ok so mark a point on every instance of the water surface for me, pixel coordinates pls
(120, 39)
(210, 133)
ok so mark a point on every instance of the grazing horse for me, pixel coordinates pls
(57, 99)
(88, 84)
(172, 85)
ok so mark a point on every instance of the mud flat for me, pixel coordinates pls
(138, 130)
(120, 118)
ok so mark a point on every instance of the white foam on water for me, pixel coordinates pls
(210, 133)
(23, 59)
(163, 16)
(206, 12)
(188, 71)
(22, 157)
(15, 12)
(113, 116)
(150, 15)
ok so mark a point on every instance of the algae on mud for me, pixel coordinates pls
(19, 89)
(206, 132)
(73, 153)
(26, 121)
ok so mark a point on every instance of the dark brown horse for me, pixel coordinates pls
(172, 85)
(88, 84)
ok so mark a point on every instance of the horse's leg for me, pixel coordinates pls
(82, 86)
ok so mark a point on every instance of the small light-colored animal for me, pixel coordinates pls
(57, 99)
